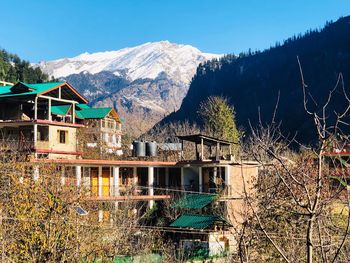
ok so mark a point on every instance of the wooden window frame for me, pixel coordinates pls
(65, 136)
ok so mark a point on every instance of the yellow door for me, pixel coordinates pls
(94, 181)
(105, 182)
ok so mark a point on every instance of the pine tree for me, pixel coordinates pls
(218, 117)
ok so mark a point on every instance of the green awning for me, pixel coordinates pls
(60, 109)
(194, 201)
(93, 113)
(198, 221)
(83, 106)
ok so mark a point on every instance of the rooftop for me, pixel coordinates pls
(194, 221)
(207, 140)
(195, 201)
(21, 89)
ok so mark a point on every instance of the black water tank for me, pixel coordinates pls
(139, 148)
(151, 149)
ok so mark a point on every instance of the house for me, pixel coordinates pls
(42, 120)
(103, 125)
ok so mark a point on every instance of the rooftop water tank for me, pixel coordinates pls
(151, 149)
(139, 148)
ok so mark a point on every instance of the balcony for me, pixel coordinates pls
(16, 145)
(42, 145)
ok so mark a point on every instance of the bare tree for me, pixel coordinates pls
(294, 216)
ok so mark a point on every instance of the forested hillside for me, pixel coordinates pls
(252, 81)
(13, 69)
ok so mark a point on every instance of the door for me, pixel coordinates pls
(94, 181)
(105, 181)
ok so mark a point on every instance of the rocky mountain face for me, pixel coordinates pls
(144, 83)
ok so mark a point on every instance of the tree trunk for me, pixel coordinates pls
(309, 241)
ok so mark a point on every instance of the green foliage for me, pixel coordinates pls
(13, 69)
(219, 118)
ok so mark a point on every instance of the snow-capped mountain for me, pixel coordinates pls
(151, 79)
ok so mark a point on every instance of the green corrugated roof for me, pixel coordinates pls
(93, 113)
(36, 88)
(60, 109)
(197, 221)
(195, 201)
(83, 106)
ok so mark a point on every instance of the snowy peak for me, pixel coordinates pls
(148, 60)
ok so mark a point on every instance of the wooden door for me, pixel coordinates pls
(94, 181)
(105, 181)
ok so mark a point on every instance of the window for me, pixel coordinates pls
(62, 136)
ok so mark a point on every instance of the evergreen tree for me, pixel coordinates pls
(219, 118)
(13, 69)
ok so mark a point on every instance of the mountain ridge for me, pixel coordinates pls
(147, 81)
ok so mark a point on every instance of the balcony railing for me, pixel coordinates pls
(16, 145)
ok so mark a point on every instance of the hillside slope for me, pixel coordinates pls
(252, 82)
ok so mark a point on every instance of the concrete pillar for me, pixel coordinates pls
(200, 179)
(215, 172)
(86, 177)
(182, 178)
(151, 184)
(100, 181)
(49, 111)
(215, 176)
(227, 179)
(73, 112)
(100, 215)
(36, 172)
(35, 137)
(36, 108)
(116, 183)
(78, 175)
(134, 175)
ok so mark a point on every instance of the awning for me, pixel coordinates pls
(194, 221)
(60, 109)
(194, 201)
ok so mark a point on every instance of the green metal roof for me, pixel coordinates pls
(93, 113)
(197, 221)
(35, 89)
(83, 106)
(195, 201)
(60, 109)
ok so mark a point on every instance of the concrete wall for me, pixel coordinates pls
(71, 140)
(243, 176)
(242, 179)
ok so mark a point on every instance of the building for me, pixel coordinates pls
(43, 119)
(103, 128)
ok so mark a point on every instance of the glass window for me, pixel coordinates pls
(62, 136)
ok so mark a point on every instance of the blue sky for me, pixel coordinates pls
(50, 29)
